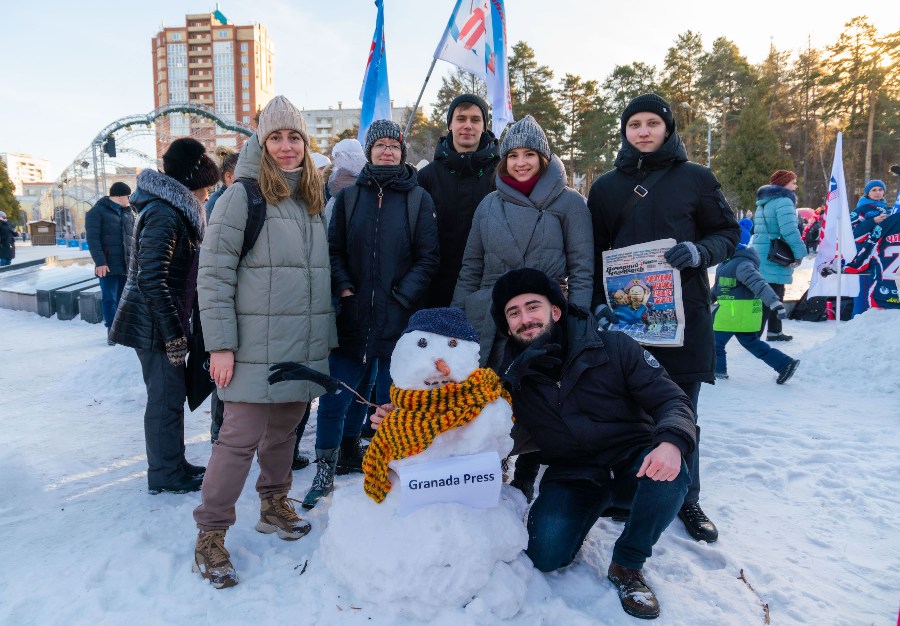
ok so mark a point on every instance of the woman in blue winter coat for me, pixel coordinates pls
(776, 216)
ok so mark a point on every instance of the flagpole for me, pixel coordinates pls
(419, 99)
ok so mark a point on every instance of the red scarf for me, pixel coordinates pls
(524, 186)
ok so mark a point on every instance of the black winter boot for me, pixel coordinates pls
(527, 467)
(323, 481)
(351, 456)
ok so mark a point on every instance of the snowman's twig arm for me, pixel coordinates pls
(353, 391)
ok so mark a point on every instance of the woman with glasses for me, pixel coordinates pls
(384, 252)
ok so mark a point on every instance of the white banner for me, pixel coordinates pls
(837, 243)
(473, 480)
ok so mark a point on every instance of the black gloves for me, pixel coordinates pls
(521, 366)
(827, 270)
(779, 311)
(683, 255)
(605, 316)
(297, 371)
(177, 350)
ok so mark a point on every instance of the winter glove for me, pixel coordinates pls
(827, 270)
(521, 366)
(779, 310)
(605, 317)
(683, 255)
(895, 169)
(296, 371)
(177, 350)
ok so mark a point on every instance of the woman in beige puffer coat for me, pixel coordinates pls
(272, 305)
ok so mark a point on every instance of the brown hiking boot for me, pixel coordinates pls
(636, 597)
(277, 515)
(212, 560)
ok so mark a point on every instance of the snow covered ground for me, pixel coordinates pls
(801, 479)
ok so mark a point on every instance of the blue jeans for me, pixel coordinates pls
(774, 358)
(4, 261)
(342, 415)
(111, 287)
(565, 511)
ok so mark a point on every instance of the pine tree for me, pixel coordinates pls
(576, 98)
(457, 82)
(750, 156)
(8, 202)
(532, 91)
(680, 74)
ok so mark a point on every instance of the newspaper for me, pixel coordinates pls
(645, 293)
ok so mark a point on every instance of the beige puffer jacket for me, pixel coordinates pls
(275, 304)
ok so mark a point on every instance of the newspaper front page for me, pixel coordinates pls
(644, 291)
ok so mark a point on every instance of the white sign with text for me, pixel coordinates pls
(472, 480)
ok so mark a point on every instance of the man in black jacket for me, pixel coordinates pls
(678, 199)
(108, 226)
(610, 425)
(459, 177)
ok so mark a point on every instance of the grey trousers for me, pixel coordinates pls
(264, 429)
(163, 418)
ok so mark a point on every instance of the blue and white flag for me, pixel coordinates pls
(838, 245)
(375, 94)
(475, 40)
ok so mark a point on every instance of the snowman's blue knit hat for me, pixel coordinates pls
(447, 321)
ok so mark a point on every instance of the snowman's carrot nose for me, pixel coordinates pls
(442, 367)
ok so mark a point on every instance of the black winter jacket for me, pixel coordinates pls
(7, 241)
(108, 229)
(387, 270)
(162, 278)
(612, 400)
(457, 182)
(687, 204)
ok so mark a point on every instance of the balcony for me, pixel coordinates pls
(200, 39)
(206, 89)
(198, 51)
(196, 28)
(201, 63)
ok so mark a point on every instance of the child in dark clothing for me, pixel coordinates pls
(741, 292)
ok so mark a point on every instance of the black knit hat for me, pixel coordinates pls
(516, 282)
(384, 129)
(187, 162)
(119, 189)
(448, 322)
(649, 103)
(467, 98)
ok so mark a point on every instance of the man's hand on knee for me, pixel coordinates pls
(662, 463)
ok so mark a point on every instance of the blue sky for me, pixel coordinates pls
(73, 67)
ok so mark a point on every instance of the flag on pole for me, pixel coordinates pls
(375, 94)
(475, 40)
(837, 246)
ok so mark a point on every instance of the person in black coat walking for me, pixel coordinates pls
(381, 266)
(610, 424)
(108, 225)
(684, 201)
(458, 178)
(7, 241)
(154, 316)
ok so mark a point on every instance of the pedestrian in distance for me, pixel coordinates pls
(7, 241)
(655, 193)
(108, 227)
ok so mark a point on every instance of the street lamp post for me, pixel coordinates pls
(708, 131)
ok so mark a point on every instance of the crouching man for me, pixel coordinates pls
(610, 424)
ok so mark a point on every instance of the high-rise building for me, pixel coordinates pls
(24, 168)
(214, 64)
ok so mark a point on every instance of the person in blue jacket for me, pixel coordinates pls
(871, 209)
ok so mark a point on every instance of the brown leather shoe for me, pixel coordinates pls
(636, 597)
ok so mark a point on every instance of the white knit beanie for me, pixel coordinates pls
(280, 114)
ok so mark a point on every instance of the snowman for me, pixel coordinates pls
(442, 554)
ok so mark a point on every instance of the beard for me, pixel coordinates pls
(546, 329)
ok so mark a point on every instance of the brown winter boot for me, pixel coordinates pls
(636, 597)
(212, 560)
(277, 515)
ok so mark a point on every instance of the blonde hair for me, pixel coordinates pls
(274, 185)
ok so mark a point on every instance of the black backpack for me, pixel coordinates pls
(413, 200)
(256, 213)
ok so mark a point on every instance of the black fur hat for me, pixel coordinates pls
(516, 282)
(187, 162)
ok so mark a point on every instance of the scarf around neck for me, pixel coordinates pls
(422, 415)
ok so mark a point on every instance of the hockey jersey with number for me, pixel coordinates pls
(880, 252)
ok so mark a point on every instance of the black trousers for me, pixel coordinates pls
(769, 316)
(163, 418)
